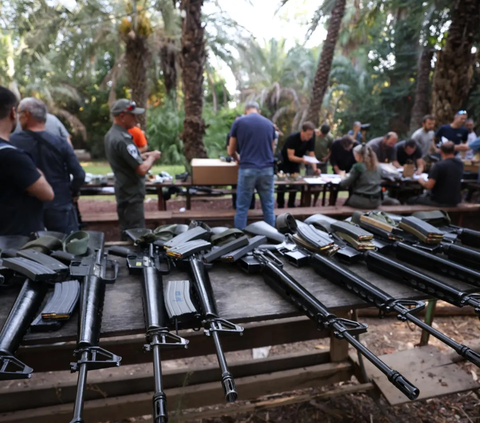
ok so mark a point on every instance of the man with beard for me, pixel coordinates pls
(23, 188)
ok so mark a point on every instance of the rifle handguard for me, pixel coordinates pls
(12, 368)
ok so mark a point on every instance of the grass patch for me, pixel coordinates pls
(102, 168)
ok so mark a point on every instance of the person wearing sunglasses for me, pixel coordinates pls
(454, 132)
(128, 164)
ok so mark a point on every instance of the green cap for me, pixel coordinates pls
(125, 106)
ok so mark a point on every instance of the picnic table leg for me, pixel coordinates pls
(162, 204)
(324, 194)
(339, 347)
(189, 199)
(333, 195)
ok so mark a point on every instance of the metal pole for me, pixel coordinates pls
(429, 315)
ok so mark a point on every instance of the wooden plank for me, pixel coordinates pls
(47, 390)
(427, 368)
(283, 331)
(231, 410)
(339, 347)
(188, 397)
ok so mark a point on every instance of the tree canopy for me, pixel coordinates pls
(79, 56)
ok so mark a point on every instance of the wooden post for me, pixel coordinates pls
(429, 315)
(339, 348)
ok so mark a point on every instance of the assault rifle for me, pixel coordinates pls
(282, 282)
(93, 272)
(211, 322)
(157, 333)
(406, 309)
(397, 271)
(26, 305)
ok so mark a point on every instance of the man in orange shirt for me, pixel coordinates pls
(139, 139)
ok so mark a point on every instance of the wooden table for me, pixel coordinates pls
(239, 297)
(157, 188)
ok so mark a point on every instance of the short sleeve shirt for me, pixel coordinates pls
(385, 153)
(139, 138)
(403, 157)
(448, 176)
(20, 213)
(255, 135)
(456, 135)
(423, 140)
(124, 158)
(294, 142)
(323, 145)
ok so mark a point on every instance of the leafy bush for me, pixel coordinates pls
(165, 124)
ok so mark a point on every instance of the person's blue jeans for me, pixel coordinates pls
(248, 181)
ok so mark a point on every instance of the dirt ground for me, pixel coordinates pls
(384, 336)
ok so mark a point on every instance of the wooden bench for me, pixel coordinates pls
(463, 215)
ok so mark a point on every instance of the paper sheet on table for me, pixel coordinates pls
(311, 159)
(423, 175)
(324, 179)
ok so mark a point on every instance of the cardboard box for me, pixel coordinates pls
(214, 172)
(408, 170)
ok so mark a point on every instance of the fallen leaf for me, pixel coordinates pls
(474, 375)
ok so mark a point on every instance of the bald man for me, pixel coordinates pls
(384, 148)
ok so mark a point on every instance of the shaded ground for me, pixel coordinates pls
(384, 336)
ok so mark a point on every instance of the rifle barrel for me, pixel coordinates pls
(81, 384)
(287, 286)
(159, 397)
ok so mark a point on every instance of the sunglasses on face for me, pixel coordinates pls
(462, 112)
(131, 107)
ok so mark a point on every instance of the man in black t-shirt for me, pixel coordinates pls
(454, 132)
(296, 146)
(409, 153)
(342, 158)
(23, 188)
(444, 180)
(56, 159)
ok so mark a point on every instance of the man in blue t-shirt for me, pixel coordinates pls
(454, 132)
(253, 136)
(23, 188)
(56, 159)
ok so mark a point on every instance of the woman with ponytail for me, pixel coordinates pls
(364, 180)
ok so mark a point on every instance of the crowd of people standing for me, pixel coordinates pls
(40, 175)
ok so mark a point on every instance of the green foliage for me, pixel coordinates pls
(218, 126)
(165, 124)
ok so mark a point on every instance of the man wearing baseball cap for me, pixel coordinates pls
(128, 165)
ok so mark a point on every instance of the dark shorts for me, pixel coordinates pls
(131, 215)
(65, 220)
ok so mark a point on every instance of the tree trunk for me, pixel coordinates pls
(168, 55)
(138, 58)
(322, 75)
(192, 62)
(453, 71)
(168, 46)
(421, 107)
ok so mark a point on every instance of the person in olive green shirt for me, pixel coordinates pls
(128, 164)
(364, 180)
(323, 144)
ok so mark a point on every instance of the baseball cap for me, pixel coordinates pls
(125, 106)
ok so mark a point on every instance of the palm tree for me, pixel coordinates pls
(453, 71)
(135, 33)
(322, 75)
(169, 45)
(192, 62)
